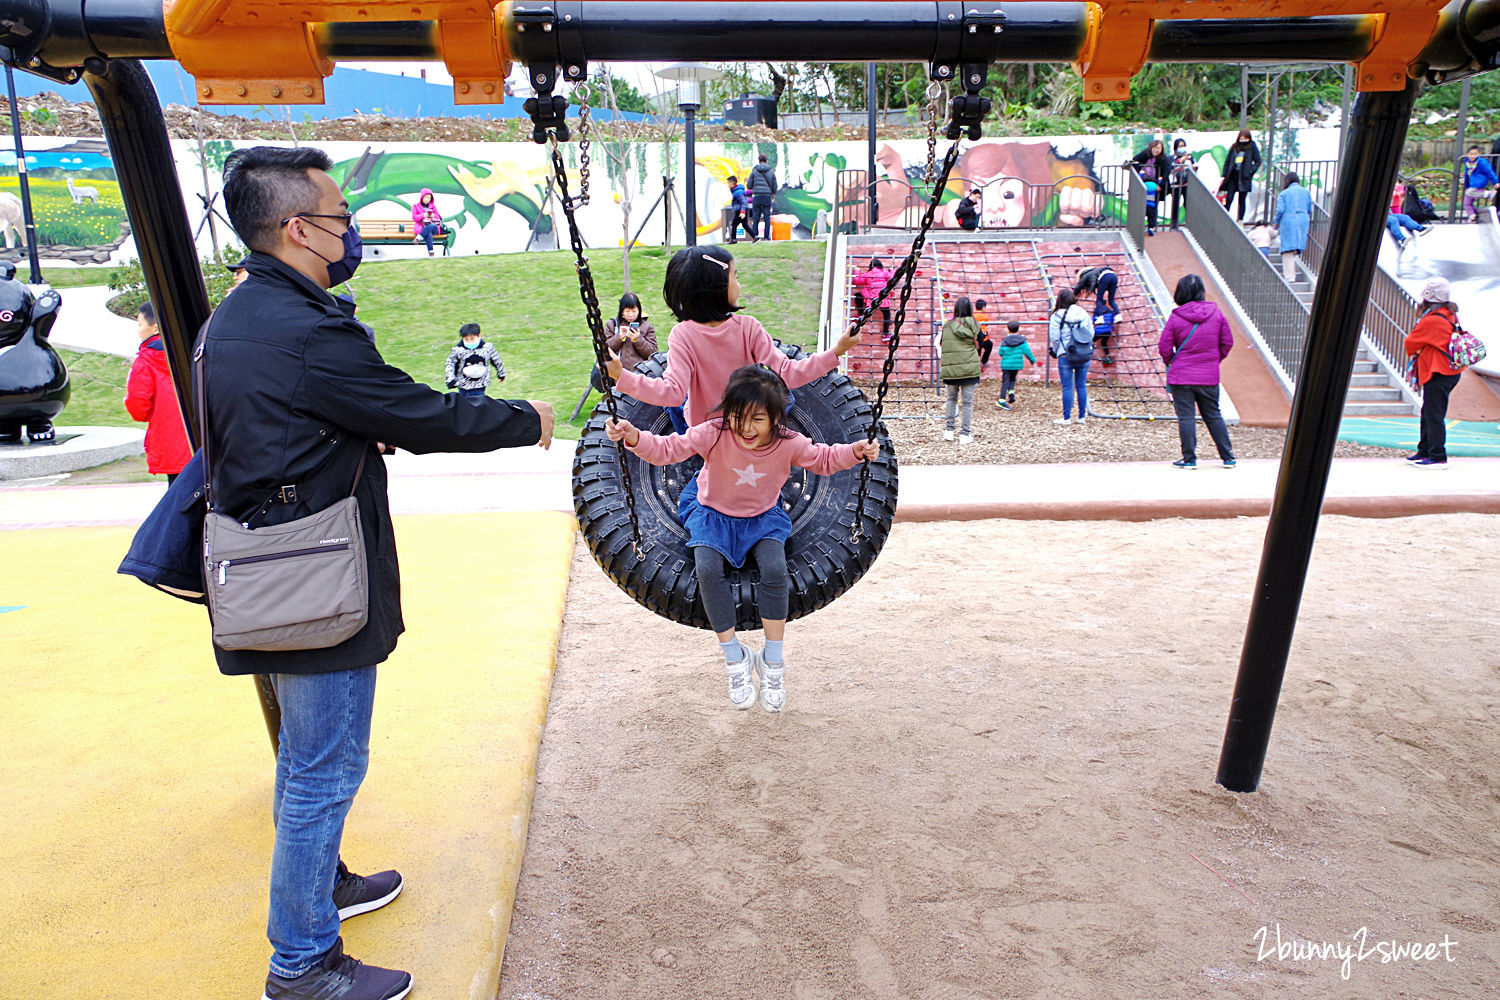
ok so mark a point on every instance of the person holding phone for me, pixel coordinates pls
(629, 334)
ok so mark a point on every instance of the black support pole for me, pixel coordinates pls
(28, 220)
(690, 175)
(131, 117)
(1376, 132)
(870, 113)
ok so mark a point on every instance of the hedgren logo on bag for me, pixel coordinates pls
(333, 541)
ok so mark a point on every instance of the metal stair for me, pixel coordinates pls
(1372, 392)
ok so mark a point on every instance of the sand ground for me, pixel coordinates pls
(995, 778)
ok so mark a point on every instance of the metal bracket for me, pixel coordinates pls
(548, 111)
(967, 111)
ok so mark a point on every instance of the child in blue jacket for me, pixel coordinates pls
(740, 205)
(1014, 353)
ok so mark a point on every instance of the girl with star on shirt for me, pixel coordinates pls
(748, 453)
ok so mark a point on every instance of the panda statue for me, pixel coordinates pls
(34, 385)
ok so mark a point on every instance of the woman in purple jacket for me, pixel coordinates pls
(1196, 338)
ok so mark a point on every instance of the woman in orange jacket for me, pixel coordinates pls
(1428, 342)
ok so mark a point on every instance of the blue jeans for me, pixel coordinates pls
(1073, 373)
(1395, 223)
(1104, 294)
(760, 219)
(325, 749)
(430, 230)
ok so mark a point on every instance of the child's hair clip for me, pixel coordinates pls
(714, 260)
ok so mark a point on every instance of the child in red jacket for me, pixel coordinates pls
(151, 398)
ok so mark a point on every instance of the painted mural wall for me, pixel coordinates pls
(500, 197)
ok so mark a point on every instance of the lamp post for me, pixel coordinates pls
(690, 78)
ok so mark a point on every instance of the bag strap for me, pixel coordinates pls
(200, 395)
(1183, 344)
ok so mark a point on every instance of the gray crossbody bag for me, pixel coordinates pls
(298, 585)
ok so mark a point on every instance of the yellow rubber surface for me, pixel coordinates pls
(137, 779)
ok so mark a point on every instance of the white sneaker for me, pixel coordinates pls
(772, 690)
(966, 439)
(1063, 420)
(1080, 420)
(741, 684)
(947, 435)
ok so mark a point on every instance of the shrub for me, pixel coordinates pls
(129, 281)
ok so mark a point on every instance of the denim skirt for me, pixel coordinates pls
(731, 537)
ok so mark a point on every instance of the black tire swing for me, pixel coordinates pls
(627, 508)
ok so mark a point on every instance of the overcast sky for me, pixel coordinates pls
(638, 75)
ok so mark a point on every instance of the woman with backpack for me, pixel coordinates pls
(1436, 373)
(959, 367)
(1196, 338)
(1241, 164)
(1070, 339)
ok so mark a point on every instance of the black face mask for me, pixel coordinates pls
(341, 270)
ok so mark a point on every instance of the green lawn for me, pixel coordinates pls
(527, 303)
(98, 389)
(65, 277)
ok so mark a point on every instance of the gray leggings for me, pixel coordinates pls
(718, 598)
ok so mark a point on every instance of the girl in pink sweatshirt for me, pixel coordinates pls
(702, 289)
(748, 454)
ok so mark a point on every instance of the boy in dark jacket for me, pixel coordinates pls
(1014, 353)
(739, 207)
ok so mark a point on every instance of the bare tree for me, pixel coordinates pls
(617, 150)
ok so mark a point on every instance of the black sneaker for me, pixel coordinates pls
(355, 894)
(338, 976)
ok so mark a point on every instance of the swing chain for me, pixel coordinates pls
(584, 128)
(596, 330)
(934, 91)
(904, 274)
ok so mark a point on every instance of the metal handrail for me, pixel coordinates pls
(1391, 312)
(1390, 315)
(1263, 294)
(1107, 189)
(1320, 177)
(1135, 213)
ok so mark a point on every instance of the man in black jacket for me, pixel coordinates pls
(763, 190)
(968, 210)
(297, 394)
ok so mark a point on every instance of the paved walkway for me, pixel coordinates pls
(83, 324)
(530, 479)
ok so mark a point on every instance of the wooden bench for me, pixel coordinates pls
(391, 232)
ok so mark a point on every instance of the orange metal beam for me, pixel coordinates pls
(262, 51)
(1119, 35)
